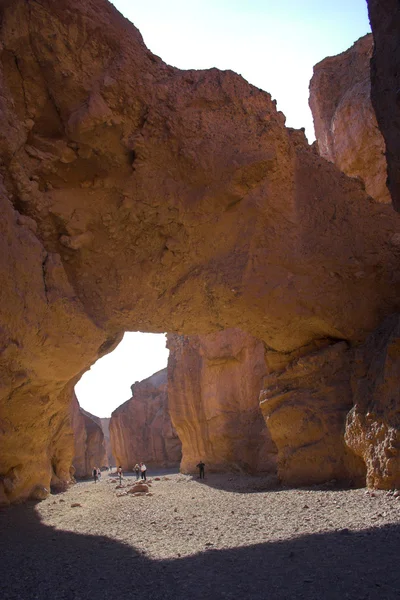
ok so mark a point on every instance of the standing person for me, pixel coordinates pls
(98, 474)
(136, 468)
(201, 466)
(120, 474)
(143, 470)
(95, 475)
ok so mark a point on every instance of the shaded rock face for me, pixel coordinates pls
(214, 382)
(305, 401)
(385, 84)
(105, 425)
(344, 120)
(135, 196)
(373, 424)
(89, 445)
(141, 428)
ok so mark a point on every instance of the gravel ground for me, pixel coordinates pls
(225, 537)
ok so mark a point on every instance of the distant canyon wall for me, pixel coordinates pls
(141, 428)
(89, 443)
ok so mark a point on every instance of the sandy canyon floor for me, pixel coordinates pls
(226, 537)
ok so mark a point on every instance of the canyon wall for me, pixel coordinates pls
(385, 84)
(105, 425)
(135, 196)
(141, 428)
(214, 382)
(89, 444)
(345, 124)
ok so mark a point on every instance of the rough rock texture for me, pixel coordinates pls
(135, 196)
(105, 425)
(373, 425)
(89, 444)
(214, 383)
(384, 16)
(141, 428)
(345, 124)
(305, 400)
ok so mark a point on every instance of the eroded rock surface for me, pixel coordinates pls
(344, 120)
(214, 382)
(141, 428)
(89, 444)
(373, 425)
(105, 425)
(135, 196)
(305, 401)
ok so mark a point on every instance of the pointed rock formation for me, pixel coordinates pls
(141, 428)
(344, 120)
(214, 383)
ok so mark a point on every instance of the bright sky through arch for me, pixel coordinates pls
(274, 45)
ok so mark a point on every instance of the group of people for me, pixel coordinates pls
(96, 474)
(140, 469)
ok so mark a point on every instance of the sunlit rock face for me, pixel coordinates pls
(345, 124)
(373, 425)
(89, 444)
(385, 84)
(214, 382)
(141, 428)
(305, 401)
(105, 425)
(135, 196)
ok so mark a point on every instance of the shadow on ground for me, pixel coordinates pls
(39, 562)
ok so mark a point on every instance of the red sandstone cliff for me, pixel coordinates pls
(214, 382)
(187, 208)
(105, 425)
(344, 120)
(89, 442)
(141, 428)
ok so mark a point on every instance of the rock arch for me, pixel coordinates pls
(136, 196)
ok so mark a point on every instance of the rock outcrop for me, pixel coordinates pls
(305, 401)
(214, 383)
(373, 424)
(345, 124)
(135, 196)
(90, 450)
(385, 84)
(141, 428)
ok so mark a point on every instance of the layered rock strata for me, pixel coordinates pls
(141, 428)
(89, 444)
(135, 196)
(385, 84)
(305, 401)
(214, 382)
(345, 125)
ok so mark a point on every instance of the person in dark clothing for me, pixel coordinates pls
(120, 474)
(143, 470)
(201, 466)
(95, 475)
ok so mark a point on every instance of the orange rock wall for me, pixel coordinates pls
(214, 382)
(189, 208)
(141, 428)
(305, 401)
(344, 120)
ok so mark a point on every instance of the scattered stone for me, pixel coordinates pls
(75, 505)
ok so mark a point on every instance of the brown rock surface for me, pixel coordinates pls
(89, 442)
(137, 196)
(373, 425)
(105, 425)
(214, 382)
(305, 400)
(141, 428)
(384, 16)
(344, 120)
